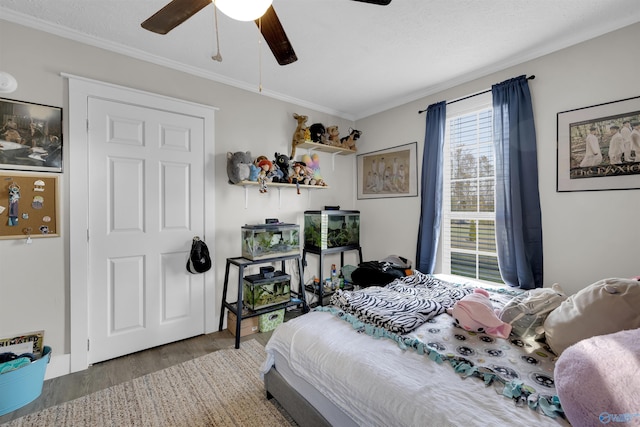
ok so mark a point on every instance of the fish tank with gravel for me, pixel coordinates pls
(270, 240)
(328, 229)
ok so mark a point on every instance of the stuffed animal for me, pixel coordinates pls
(349, 142)
(253, 172)
(333, 136)
(313, 168)
(238, 166)
(282, 161)
(475, 313)
(275, 174)
(299, 133)
(318, 133)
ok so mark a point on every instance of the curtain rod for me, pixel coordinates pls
(471, 96)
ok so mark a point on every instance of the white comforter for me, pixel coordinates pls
(378, 384)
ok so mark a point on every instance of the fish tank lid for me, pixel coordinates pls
(330, 212)
(273, 226)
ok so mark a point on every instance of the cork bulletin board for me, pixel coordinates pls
(28, 205)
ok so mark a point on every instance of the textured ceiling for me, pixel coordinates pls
(354, 59)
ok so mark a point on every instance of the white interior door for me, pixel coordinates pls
(146, 203)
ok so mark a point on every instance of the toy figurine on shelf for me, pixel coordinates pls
(265, 166)
(298, 175)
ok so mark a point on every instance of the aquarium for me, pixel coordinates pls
(329, 229)
(270, 240)
(260, 291)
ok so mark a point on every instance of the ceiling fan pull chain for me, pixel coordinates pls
(260, 54)
(217, 56)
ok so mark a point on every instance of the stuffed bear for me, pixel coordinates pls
(238, 166)
(282, 162)
(475, 313)
(333, 136)
(318, 133)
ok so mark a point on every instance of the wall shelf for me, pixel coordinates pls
(314, 146)
(282, 184)
(279, 186)
(311, 146)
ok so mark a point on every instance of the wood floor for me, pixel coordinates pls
(106, 374)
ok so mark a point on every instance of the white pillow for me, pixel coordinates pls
(604, 307)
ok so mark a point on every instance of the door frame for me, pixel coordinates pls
(80, 89)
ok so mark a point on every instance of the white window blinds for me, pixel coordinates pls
(469, 247)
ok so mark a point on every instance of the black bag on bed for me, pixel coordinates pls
(377, 273)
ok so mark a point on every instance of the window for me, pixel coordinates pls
(469, 244)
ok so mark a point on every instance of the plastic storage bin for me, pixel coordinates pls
(328, 229)
(270, 240)
(24, 385)
(260, 292)
(269, 321)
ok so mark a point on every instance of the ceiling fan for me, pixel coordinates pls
(178, 11)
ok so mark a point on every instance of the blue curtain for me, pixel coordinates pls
(431, 201)
(518, 216)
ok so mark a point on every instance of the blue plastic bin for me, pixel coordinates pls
(24, 385)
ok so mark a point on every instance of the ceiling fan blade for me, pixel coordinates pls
(173, 14)
(276, 38)
(379, 2)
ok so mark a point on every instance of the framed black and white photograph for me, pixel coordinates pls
(599, 147)
(30, 136)
(392, 172)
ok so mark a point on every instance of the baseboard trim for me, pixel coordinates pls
(58, 366)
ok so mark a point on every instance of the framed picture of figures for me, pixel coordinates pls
(599, 147)
(30, 136)
(392, 172)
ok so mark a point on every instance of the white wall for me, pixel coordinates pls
(34, 279)
(587, 236)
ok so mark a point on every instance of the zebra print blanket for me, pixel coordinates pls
(402, 305)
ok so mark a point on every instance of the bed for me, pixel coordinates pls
(328, 367)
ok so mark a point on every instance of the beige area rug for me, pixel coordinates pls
(220, 389)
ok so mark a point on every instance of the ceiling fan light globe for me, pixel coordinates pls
(8, 83)
(243, 10)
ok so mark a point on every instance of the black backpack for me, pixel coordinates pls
(199, 260)
(376, 273)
